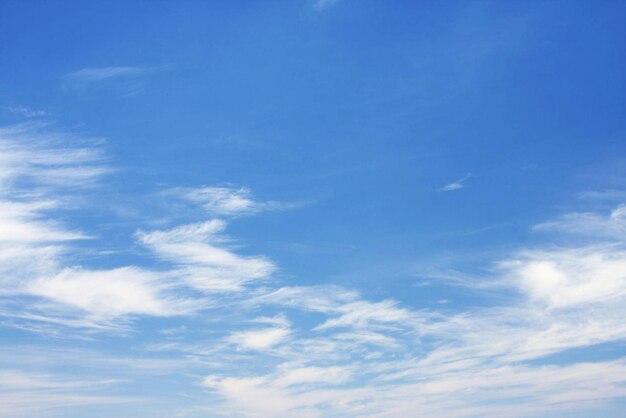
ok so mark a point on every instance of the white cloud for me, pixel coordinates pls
(564, 278)
(249, 396)
(227, 201)
(260, 339)
(324, 299)
(363, 314)
(457, 184)
(33, 156)
(26, 111)
(20, 223)
(28, 394)
(343, 307)
(104, 73)
(223, 200)
(292, 391)
(110, 293)
(333, 375)
(597, 225)
(202, 260)
(123, 80)
(39, 173)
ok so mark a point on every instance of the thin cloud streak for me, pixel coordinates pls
(104, 73)
(27, 112)
(457, 184)
(229, 201)
(123, 80)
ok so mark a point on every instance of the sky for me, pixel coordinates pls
(312, 208)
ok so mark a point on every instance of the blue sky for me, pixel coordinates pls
(330, 208)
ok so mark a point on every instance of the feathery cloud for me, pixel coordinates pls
(457, 184)
(26, 112)
(200, 257)
(124, 80)
(227, 201)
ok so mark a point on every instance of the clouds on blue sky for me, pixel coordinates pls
(291, 350)
(147, 269)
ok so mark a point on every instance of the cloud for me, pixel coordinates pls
(198, 251)
(39, 173)
(260, 339)
(565, 278)
(25, 393)
(53, 379)
(33, 155)
(325, 299)
(223, 200)
(344, 308)
(363, 314)
(296, 376)
(104, 73)
(112, 293)
(226, 201)
(289, 392)
(26, 111)
(589, 224)
(527, 391)
(124, 80)
(21, 223)
(457, 184)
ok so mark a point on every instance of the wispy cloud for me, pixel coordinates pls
(567, 298)
(260, 339)
(105, 73)
(107, 294)
(457, 184)
(33, 394)
(201, 258)
(32, 153)
(123, 80)
(612, 225)
(38, 174)
(55, 381)
(228, 201)
(26, 111)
